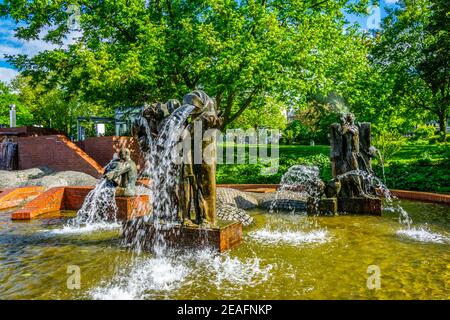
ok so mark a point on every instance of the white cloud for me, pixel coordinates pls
(10, 45)
(7, 74)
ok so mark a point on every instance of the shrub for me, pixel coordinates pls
(424, 132)
(388, 143)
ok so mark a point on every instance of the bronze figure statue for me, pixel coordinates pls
(198, 178)
(351, 152)
(122, 172)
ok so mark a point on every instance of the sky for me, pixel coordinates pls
(10, 45)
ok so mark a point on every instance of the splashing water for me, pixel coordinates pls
(373, 183)
(147, 277)
(422, 234)
(99, 211)
(276, 237)
(159, 276)
(303, 180)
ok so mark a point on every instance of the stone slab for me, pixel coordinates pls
(364, 206)
(226, 236)
(325, 206)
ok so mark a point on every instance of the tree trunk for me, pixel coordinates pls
(443, 125)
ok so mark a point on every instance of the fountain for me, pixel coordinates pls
(353, 188)
(114, 197)
(183, 193)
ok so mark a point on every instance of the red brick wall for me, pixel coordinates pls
(74, 197)
(102, 149)
(57, 153)
(29, 131)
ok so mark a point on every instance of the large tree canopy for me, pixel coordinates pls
(132, 51)
(413, 53)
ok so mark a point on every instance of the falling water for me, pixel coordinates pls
(303, 180)
(99, 211)
(371, 182)
(161, 168)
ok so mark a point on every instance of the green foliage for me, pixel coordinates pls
(7, 97)
(412, 53)
(252, 173)
(388, 143)
(420, 175)
(414, 167)
(52, 108)
(424, 132)
(240, 52)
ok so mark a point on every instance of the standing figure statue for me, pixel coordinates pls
(122, 172)
(198, 176)
(351, 152)
(350, 138)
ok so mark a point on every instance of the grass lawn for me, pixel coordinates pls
(417, 166)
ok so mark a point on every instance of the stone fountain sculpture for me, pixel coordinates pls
(352, 189)
(194, 193)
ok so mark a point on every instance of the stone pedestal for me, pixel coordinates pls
(132, 207)
(225, 236)
(324, 206)
(366, 206)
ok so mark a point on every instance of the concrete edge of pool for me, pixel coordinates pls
(71, 198)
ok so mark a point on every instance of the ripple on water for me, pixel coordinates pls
(159, 276)
(88, 228)
(422, 234)
(276, 237)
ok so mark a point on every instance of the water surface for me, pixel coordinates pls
(284, 256)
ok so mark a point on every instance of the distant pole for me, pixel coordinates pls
(12, 116)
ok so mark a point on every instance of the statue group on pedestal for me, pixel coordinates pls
(351, 154)
(195, 192)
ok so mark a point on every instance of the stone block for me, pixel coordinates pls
(225, 236)
(324, 206)
(364, 206)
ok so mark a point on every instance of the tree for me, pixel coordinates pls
(414, 50)
(53, 108)
(7, 97)
(273, 117)
(132, 51)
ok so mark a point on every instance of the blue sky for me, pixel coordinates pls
(11, 45)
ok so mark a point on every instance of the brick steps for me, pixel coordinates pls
(49, 201)
(56, 152)
(11, 198)
(72, 198)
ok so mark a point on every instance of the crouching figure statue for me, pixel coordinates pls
(122, 173)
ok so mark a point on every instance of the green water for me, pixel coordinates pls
(284, 256)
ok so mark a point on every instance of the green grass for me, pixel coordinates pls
(413, 152)
(417, 166)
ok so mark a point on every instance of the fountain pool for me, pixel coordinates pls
(284, 256)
